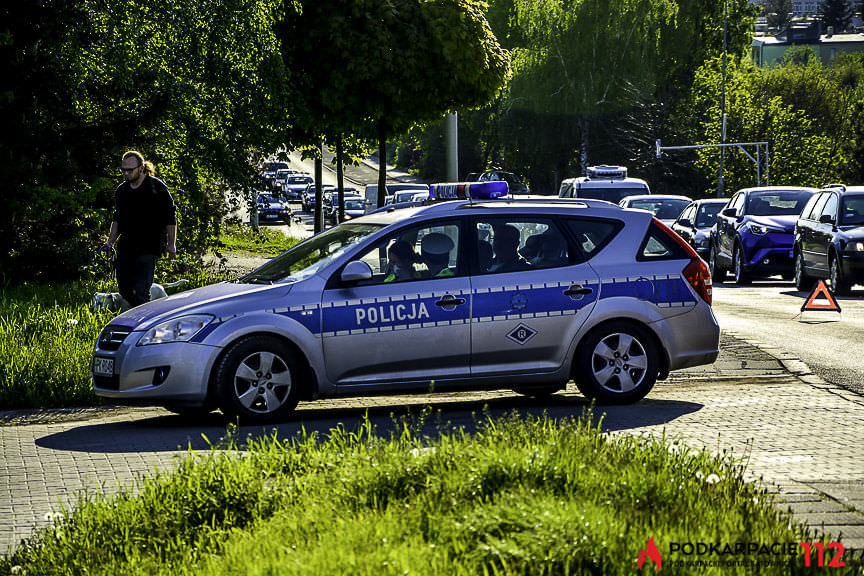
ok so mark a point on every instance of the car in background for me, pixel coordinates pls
(829, 239)
(371, 192)
(330, 201)
(295, 184)
(420, 197)
(665, 208)
(609, 183)
(270, 169)
(696, 221)
(516, 186)
(271, 208)
(282, 176)
(406, 194)
(755, 233)
(355, 206)
(308, 197)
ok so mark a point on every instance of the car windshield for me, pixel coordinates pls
(707, 215)
(266, 198)
(404, 196)
(777, 203)
(354, 204)
(299, 180)
(663, 208)
(311, 255)
(852, 211)
(614, 195)
(282, 173)
(276, 166)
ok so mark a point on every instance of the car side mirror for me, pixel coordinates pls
(826, 219)
(356, 271)
(730, 212)
(685, 222)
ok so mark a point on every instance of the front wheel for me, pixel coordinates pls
(741, 275)
(803, 282)
(258, 380)
(838, 284)
(718, 274)
(617, 364)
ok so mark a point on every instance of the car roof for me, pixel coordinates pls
(712, 201)
(778, 189)
(845, 190)
(657, 197)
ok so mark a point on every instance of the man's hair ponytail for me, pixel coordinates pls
(146, 165)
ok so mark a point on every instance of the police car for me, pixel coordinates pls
(446, 296)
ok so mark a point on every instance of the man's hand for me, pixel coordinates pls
(171, 251)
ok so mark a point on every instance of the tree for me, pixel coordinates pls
(779, 14)
(836, 13)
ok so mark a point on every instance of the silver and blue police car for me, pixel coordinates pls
(457, 295)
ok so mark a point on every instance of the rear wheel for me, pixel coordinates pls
(617, 364)
(839, 285)
(803, 282)
(741, 275)
(258, 380)
(718, 274)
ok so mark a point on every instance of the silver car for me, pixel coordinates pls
(459, 295)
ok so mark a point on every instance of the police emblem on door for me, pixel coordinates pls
(521, 334)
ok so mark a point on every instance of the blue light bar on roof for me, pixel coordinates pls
(466, 190)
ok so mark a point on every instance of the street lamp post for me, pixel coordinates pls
(720, 186)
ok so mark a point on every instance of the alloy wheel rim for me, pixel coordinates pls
(619, 363)
(262, 382)
(739, 267)
(799, 269)
(835, 274)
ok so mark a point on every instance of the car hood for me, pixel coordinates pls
(299, 187)
(271, 206)
(198, 300)
(853, 231)
(787, 223)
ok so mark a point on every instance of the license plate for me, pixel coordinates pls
(103, 366)
(270, 216)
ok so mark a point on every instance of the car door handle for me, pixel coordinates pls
(577, 290)
(449, 300)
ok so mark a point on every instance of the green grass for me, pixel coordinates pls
(531, 496)
(262, 241)
(47, 333)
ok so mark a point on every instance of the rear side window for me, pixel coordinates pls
(659, 245)
(592, 235)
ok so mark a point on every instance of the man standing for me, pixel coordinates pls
(144, 218)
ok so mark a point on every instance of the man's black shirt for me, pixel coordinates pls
(142, 214)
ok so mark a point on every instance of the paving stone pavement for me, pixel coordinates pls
(798, 434)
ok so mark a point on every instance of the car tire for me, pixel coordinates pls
(718, 274)
(600, 363)
(803, 282)
(839, 285)
(258, 380)
(539, 390)
(742, 278)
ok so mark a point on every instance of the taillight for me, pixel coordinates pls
(696, 272)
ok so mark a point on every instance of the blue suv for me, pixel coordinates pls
(754, 233)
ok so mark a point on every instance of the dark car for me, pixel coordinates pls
(272, 207)
(755, 232)
(829, 239)
(295, 184)
(696, 221)
(516, 186)
(308, 197)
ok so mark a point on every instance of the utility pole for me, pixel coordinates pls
(720, 186)
(451, 139)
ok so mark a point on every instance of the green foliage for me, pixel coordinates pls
(521, 496)
(836, 13)
(194, 85)
(260, 241)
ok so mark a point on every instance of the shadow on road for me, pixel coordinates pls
(171, 432)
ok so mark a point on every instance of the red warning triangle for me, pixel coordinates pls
(811, 304)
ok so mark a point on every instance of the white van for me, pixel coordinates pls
(393, 193)
(603, 182)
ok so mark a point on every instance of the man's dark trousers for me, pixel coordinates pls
(135, 275)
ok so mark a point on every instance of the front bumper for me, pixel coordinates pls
(769, 253)
(182, 367)
(852, 266)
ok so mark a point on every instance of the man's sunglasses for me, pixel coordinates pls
(124, 170)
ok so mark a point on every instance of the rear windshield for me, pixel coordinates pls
(777, 202)
(614, 195)
(664, 208)
(852, 210)
(707, 215)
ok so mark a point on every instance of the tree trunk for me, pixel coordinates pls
(382, 163)
(319, 167)
(583, 152)
(340, 185)
(253, 209)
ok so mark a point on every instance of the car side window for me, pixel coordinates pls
(820, 204)
(688, 213)
(807, 213)
(659, 245)
(737, 201)
(519, 244)
(830, 207)
(426, 252)
(593, 234)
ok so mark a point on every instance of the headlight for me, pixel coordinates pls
(758, 229)
(176, 330)
(857, 246)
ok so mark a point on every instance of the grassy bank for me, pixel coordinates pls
(247, 239)
(47, 334)
(519, 497)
